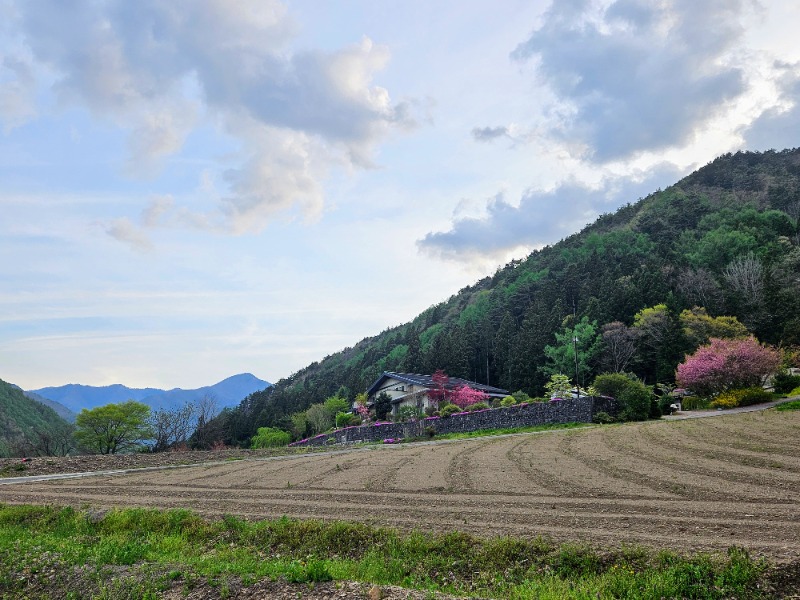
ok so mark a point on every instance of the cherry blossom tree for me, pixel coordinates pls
(727, 364)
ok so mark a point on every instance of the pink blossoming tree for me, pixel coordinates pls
(465, 396)
(727, 364)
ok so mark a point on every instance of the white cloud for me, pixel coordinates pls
(125, 231)
(283, 171)
(489, 134)
(636, 85)
(159, 205)
(778, 127)
(158, 134)
(159, 69)
(540, 218)
(636, 75)
(17, 92)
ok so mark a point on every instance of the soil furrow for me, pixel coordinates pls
(706, 484)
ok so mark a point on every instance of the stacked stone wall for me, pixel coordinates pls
(577, 410)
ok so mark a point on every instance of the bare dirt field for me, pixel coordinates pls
(694, 484)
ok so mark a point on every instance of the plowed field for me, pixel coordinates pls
(694, 484)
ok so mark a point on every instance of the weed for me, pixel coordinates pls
(140, 553)
(311, 570)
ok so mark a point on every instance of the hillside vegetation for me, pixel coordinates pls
(29, 427)
(724, 239)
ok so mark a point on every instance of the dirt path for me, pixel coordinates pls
(691, 484)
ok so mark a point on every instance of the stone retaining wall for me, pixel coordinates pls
(577, 410)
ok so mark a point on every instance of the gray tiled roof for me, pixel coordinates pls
(427, 381)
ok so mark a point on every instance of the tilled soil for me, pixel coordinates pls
(701, 484)
(50, 465)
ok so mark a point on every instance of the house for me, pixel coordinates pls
(411, 389)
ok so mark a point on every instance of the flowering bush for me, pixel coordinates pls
(726, 400)
(727, 364)
(392, 440)
(362, 411)
(465, 396)
(743, 397)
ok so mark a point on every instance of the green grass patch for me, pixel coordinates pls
(793, 405)
(506, 430)
(154, 549)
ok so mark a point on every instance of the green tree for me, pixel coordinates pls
(699, 327)
(635, 398)
(270, 437)
(412, 361)
(113, 428)
(336, 404)
(562, 356)
(299, 424)
(662, 342)
(559, 386)
(383, 405)
(319, 418)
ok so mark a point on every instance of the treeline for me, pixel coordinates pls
(30, 428)
(724, 239)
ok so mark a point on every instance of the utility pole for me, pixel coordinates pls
(575, 348)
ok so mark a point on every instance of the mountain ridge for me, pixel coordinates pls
(227, 392)
(28, 426)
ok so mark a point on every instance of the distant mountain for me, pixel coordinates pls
(228, 392)
(29, 427)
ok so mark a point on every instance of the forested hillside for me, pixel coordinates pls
(724, 239)
(28, 427)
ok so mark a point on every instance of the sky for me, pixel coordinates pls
(198, 188)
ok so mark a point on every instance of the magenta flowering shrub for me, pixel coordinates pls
(727, 364)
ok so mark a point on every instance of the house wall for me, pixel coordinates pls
(406, 389)
(417, 396)
(577, 410)
(390, 388)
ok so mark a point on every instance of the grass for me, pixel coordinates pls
(503, 431)
(139, 553)
(793, 405)
(483, 433)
